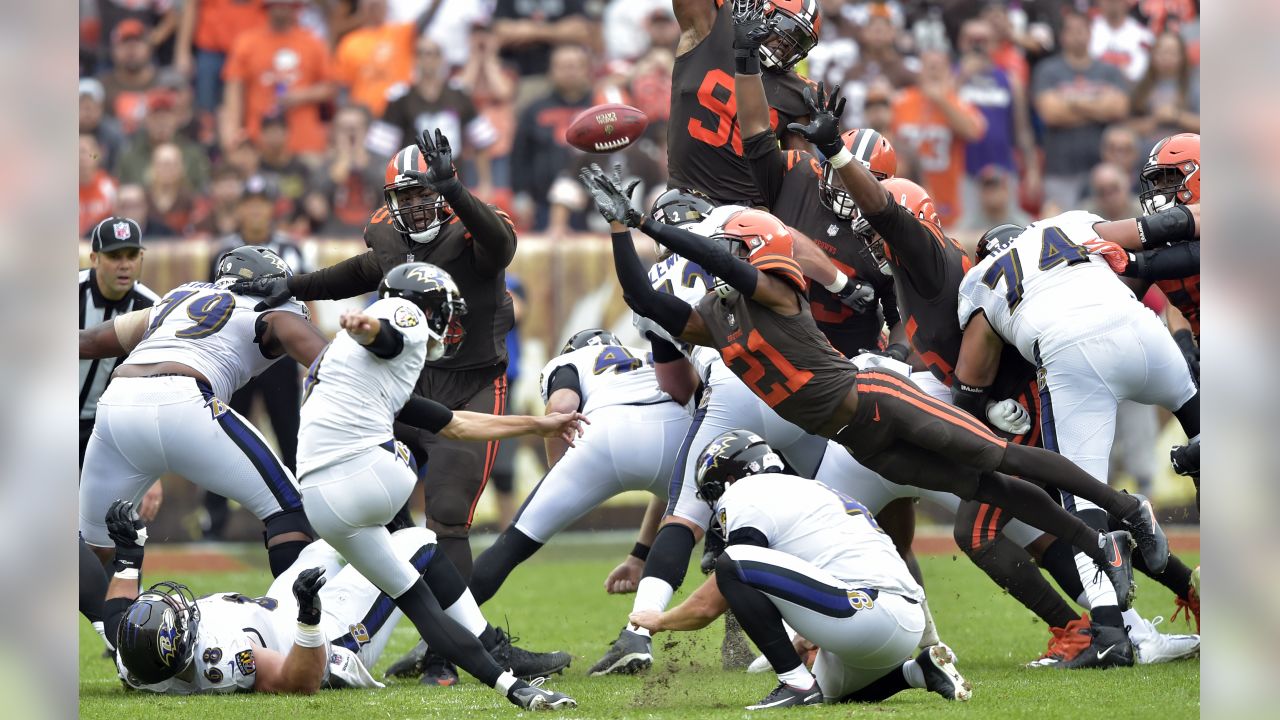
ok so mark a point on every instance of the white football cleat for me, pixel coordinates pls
(759, 665)
(1153, 646)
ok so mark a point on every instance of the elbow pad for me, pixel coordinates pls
(1167, 227)
(426, 414)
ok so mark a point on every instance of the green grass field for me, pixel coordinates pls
(557, 601)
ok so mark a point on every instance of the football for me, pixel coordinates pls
(606, 128)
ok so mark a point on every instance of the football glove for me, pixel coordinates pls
(439, 158)
(307, 591)
(611, 198)
(858, 296)
(273, 290)
(1009, 416)
(129, 533)
(1117, 257)
(823, 129)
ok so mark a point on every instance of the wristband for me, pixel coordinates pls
(746, 62)
(308, 636)
(838, 284)
(640, 551)
(970, 398)
(842, 158)
(127, 573)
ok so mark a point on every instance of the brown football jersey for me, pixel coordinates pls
(784, 360)
(704, 143)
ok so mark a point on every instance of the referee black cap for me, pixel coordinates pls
(115, 233)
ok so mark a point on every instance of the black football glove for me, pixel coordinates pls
(439, 162)
(749, 30)
(858, 296)
(896, 351)
(1186, 458)
(611, 198)
(129, 533)
(825, 112)
(1187, 344)
(273, 289)
(307, 590)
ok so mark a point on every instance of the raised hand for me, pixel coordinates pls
(274, 291)
(749, 25)
(612, 200)
(307, 590)
(439, 158)
(825, 111)
(129, 533)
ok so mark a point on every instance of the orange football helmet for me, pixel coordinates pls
(875, 153)
(764, 241)
(793, 31)
(416, 211)
(1172, 174)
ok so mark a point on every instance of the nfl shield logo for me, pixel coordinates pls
(122, 230)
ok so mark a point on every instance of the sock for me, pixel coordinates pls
(466, 613)
(494, 565)
(507, 682)
(282, 555)
(445, 636)
(1053, 470)
(458, 549)
(93, 586)
(913, 673)
(882, 688)
(651, 594)
(758, 616)
(930, 634)
(1034, 507)
(1131, 619)
(1103, 604)
(797, 677)
(1189, 416)
(100, 628)
(1012, 568)
(1060, 560)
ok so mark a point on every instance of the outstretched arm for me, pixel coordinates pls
(704, 605)
(115, 337)
(976, 366)
(1177, 224)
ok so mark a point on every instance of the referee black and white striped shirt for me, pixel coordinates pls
(96, 308)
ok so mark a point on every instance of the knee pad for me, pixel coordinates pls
(449, 509)
(448, 531)
(287, 522)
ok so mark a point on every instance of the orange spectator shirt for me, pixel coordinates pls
(920, 126)
(97, 200)
(369, 61)
(271, 63)
(219, 22)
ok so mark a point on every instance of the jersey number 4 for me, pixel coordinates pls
(209, 312)
(716, 94)
(616, 358)
(1055, 249)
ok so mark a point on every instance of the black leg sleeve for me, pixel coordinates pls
(669, 557)
(1189, 416)
(1012, 568)
(757, 615)
(445, 636)
(1059, 559)
(882, 688)
(494, 565)
(1053, 470)
(93, 584)
(1033, 506)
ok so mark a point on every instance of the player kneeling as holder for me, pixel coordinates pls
(801, 552)
(355, 475)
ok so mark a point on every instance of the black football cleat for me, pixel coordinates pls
(1119, 566)
(438, 672)
(525, 664)
(785, 696)
(629, 654)
(533, 697)
(938, 664)
(1151, 540)
(408, 665)
(1109, 647)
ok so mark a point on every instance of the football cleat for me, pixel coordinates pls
(524, 664)
(1108, 647)
(759, 665)
(629, 654)
(940, 674)
(438, 672)
(408, 665)
(786, 696)
(1152, 646)
(1189, 607)
(1151, 540)
(1119, 566)
(533, 697)
(1066, 643)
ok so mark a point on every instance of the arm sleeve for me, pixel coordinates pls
(566, 377)
(425, 413)
(351, 277)
(768, 164)
(748, 536)
(669, 311)
(889, 304)
(492, 231)
(663, 351)
(713, 258)
(911, 245)
(387, 343)
(1168, 263)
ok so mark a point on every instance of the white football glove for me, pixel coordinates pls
(1009, 416)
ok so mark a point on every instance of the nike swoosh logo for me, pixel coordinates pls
(1104, 653)
(877, 417)
(1119, 561)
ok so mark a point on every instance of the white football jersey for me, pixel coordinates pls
(210, 330)
(688, 281)
(608, 375)
(1044, 283)
(351, 396)
(231, 627)
(822, 526)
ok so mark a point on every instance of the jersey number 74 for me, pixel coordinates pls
(1055, 249)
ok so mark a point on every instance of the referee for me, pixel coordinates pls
(108, 288)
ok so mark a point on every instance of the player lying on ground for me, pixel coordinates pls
(165, 407)
(168, 642)
(355, 476)
(758, 319)
(798, 551)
